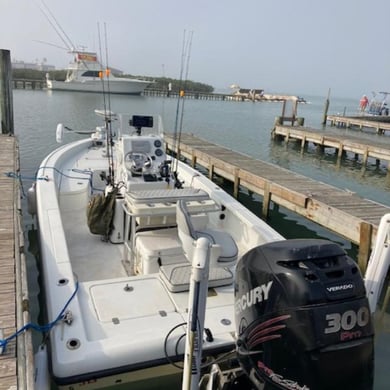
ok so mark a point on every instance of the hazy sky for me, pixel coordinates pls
(284, 46)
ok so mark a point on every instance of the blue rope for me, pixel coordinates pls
(39, 328)
(15, 175)
(86, 172)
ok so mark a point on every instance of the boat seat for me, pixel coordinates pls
(135, 186)
(223, 249)
(176, 277)
(158, 247)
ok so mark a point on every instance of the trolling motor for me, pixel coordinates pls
(302, 317)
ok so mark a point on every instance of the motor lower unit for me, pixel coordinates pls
(302, 317)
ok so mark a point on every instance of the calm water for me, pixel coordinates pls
(241, 126)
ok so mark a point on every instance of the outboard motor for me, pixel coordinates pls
(303, 319)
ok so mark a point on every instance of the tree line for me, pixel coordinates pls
(162, 83)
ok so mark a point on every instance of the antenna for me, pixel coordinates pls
(59, 30)
(51, 44)
(56, 30)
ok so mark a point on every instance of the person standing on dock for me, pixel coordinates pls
(363, 103)
(384, 109)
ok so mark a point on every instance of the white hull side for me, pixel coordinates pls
(124, 87)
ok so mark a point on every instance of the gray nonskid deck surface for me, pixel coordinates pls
(92, 258)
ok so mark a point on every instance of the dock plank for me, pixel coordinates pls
(16, 365)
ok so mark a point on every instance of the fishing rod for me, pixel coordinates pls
(189, 43)
(180, 84)
(109, 118)
(186, 49)
(107, 112)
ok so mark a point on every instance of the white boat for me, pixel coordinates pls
(118, 287)
(86, 74)
(377, 107)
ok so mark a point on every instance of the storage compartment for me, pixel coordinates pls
(157, 247)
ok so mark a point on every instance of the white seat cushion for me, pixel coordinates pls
(159, 242)
(229, 250)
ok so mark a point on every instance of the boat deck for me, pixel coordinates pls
(92, 258)
(133, 288)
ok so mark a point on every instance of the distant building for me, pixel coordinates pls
(32, 65)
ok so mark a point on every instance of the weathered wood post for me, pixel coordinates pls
(283, 110)
(364, 245)
(236, 187)
(266, 200)
(326, 109)
(6, 103)
(294, 110)
(278, 121)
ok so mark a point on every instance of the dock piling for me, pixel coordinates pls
(326, 108)
(6, 101)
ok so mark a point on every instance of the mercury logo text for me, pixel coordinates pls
(257, 294)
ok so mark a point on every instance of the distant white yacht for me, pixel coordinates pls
(86, 74)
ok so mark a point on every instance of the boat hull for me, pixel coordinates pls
(120, 323)
(123, 87)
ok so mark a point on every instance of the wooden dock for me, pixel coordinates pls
(160, 92)
(342, 212)
(380, 126)
(29, 84)
(16, 362)
(342, 144)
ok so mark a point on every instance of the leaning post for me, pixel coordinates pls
(6, 103)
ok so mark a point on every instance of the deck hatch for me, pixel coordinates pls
(146, 298)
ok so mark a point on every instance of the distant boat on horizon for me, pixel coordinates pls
(86, 74)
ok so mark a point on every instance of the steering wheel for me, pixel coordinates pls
(135, 161)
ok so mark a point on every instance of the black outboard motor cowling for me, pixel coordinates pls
(302, 317)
